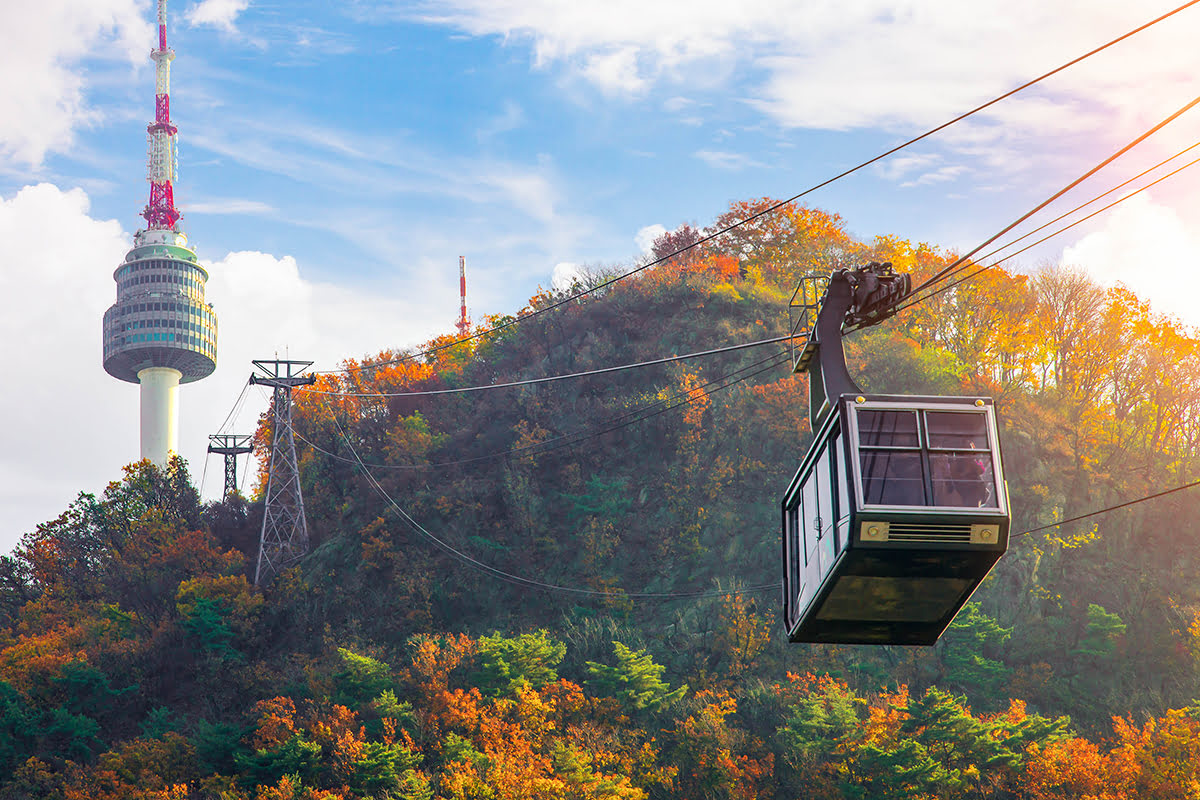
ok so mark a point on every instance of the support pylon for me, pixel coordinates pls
(284, 536)
(230, 445)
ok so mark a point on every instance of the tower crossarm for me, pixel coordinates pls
(230, 444)
(280, 374)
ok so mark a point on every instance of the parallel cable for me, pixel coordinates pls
(552, 378)
(954, 266)
(520, 580)
(236, 407)
(1121, 185)
(946, 287)
(776, 206)
(565, 440)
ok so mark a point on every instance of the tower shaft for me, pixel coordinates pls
(160, 412)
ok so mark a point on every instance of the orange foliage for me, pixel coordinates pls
(276, 723)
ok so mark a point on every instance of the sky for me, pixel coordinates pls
(337, 159)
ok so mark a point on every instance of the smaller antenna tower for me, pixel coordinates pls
(464, 325)
(230, 445)
(284, 536)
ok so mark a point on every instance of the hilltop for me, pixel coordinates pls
(586, 604)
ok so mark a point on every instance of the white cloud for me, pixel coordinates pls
(720, 159)
(65, 428)
(880, 63)
(217, 13)
(69, 425)
(939, 175)
(646, 237)
(615, 72)
(43, 98)
(1151, 250)
(228, 205)
(565, 274)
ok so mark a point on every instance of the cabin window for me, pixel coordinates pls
(931, 458)
(960, 460)
(795, 548)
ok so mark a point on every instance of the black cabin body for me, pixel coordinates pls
(898, 512)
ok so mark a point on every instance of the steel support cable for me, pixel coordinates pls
(1098, 512)
(552, 378)
(954, 266)
(998, 262)
(775, 207)
(1120, 185)
(567, 439)
(236, 406)
(513, 578)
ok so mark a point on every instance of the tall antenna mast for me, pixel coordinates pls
(161, 332)
(464, 325)
(162, 162)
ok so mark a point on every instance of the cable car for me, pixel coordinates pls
(899, 508)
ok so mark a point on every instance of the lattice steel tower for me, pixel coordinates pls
(284, 536)
(230, 445)
(160, 332)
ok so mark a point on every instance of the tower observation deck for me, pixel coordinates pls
(161, 332)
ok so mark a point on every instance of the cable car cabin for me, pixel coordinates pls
(898, 512)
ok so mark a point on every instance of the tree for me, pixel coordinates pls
(508, 663)
(635, 680)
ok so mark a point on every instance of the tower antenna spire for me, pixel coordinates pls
(162, 161)
(463, 324)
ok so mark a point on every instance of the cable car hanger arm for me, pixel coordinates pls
(859, 297)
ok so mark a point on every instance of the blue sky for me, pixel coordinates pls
(336, 159)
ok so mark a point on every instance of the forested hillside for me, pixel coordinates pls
(570, 589)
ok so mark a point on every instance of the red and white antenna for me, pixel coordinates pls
(464, 324)
(162, 155)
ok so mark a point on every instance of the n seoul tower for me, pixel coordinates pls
(160, 332)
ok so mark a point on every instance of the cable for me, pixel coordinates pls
(1110, 508)
(551, 378)
(520, 580)
(945, 271)
(236, 405)
(1121, 185)
(775, 207)
(204, 472)
(1063, 229)
(564, 440)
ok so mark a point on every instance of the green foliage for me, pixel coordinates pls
(1103, 629)
(386, 769)
(17, 731)
(207, 624)
(963, 648)
(66, 735)
(159, 722)
(457, 748)
(607, 500)
(264, 767)
(86, 690)
(216, 744)
(635, 680)
(509, 663)
(361, 679)
(821, 722)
